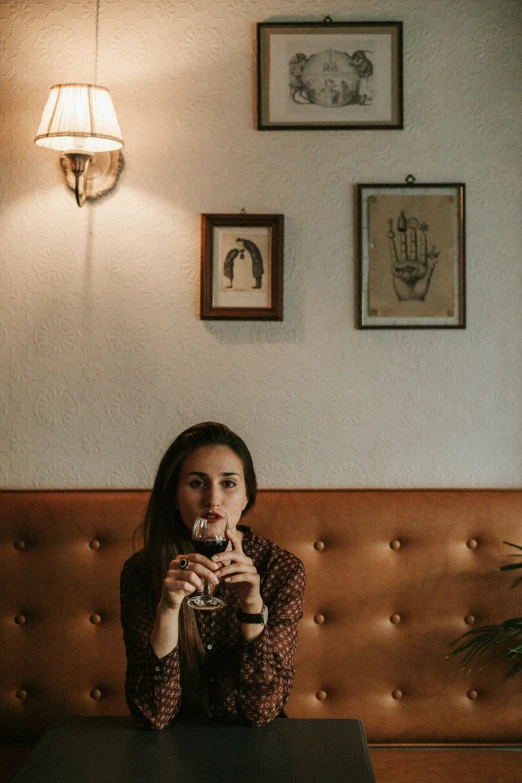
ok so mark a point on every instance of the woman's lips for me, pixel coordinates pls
(213, 516)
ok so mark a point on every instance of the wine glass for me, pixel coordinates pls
(208, 538)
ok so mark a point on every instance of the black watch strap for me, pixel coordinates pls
(260, 618)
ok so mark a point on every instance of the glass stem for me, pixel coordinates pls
(205, 588)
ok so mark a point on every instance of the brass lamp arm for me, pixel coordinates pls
(79, 165)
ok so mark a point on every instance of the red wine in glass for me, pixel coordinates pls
(208, 539)
(210, 546)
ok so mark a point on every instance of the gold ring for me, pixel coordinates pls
(183, 563)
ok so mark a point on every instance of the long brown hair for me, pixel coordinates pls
(165, 536)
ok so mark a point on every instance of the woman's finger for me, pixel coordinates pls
(234, 538)
(198, 564)
(237, 568)
(176, 578)
(202, 571)
(231, 555)
(179, 586)
(244, 578)
(193, 558)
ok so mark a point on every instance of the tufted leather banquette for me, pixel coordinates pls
(392, 578)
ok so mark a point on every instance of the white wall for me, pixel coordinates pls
(104, 359)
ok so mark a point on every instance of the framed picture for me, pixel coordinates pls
(242, 267)
(329, 76)
(412, 256)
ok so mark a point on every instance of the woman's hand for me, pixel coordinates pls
(180, 583)
(239, 571)
(177, 585)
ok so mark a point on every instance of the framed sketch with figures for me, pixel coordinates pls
(411, 254)
(329, 75)
(242, 267)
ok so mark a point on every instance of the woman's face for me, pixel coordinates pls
(213, 478)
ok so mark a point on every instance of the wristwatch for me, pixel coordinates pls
(258, 619)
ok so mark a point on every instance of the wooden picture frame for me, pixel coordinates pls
(329, 76)
(242, 267)
(411, 256)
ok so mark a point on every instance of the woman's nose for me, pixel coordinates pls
(213, 496)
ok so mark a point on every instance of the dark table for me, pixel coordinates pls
(88, 750)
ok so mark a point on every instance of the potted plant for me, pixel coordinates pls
(506, 637)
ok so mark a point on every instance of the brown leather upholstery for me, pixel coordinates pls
(393, 577)
(462, 765)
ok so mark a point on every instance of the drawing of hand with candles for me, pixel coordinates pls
(412, 263)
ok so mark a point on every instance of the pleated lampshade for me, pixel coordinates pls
(79, 117)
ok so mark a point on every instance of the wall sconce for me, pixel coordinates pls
(80, 121)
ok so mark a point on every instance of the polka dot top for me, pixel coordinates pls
(251, 680)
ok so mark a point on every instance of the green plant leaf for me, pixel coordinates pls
(476, 643)
(506, 637)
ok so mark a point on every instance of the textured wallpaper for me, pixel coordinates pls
(104, 358)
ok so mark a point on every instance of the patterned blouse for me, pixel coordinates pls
(251, 680)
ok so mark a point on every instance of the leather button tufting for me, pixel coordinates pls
(472, 695)
(395, 544)
(395, 619)
(94, 544)
(319, 546)
(472, 543)
(19, 544)
(95, 619)
(321, 695)
(470, 619)
(319, 619)
(21, 694)
(95, 694)
(20, 619)
(397, 695)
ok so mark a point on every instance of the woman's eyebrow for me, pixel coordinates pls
(204, 475)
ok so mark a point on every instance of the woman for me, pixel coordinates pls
(232, 662)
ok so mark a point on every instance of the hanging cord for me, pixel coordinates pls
(96, 34)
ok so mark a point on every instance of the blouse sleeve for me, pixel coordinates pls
(266, 665)
(152, 684)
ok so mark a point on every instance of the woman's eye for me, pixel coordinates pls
(195, 483)
(228, 483)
